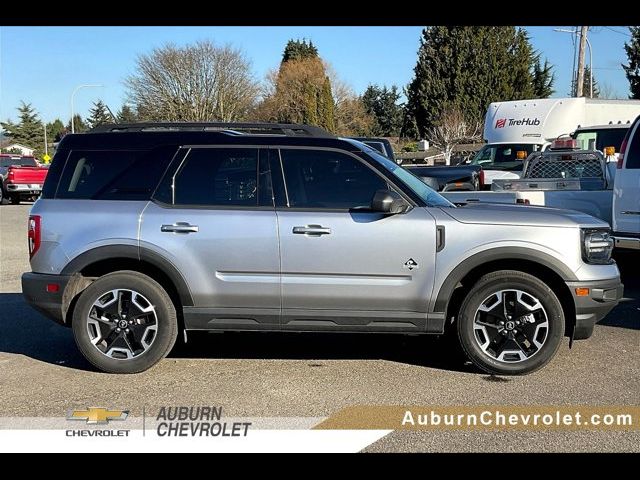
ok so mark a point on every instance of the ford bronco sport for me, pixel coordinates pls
(145, 231)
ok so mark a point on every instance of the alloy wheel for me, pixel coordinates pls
(122, 324)
(511, 326)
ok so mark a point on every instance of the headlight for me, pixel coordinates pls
(597, 246)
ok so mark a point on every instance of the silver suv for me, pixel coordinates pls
(145, 231)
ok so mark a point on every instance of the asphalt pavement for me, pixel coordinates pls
(314, 375)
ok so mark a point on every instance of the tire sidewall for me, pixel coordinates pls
(166, 317)
(532, 286)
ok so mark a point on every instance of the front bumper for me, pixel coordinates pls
(603, 296)
(629, 241)
(50, 304)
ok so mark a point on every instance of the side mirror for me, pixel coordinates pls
(388, 202)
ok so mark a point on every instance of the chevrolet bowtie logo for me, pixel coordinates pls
(97, 416)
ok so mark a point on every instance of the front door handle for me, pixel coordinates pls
(312, 230)
(180, 227)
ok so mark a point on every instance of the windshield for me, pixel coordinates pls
(425, 192)
(504, 156)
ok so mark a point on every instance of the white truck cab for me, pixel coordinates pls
(513, 130)
(626, 192)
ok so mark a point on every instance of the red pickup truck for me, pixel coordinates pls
(20, 178)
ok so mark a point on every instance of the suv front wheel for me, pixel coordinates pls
(124, 322)
(510, 323)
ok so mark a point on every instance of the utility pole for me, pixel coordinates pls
(581, 53)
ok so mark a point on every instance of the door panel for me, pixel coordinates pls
(626, 190)
(362, 264)
(343, 266)
(228, 253)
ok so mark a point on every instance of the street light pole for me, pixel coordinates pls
(590, 67)
(46, 149)
(73, 94)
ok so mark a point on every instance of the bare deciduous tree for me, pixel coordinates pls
(452, 129)
(199, 82)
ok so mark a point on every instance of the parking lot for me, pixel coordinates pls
(305, 375)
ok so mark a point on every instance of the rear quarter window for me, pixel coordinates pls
(112, 174)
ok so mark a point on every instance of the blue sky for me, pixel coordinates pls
(42, 65)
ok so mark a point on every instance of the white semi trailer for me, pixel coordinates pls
(513, 130)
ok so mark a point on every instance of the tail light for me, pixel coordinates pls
(481, 179)
(33, 234)
(623, 148)
(10, 175)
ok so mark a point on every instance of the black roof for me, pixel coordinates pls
(150, 135)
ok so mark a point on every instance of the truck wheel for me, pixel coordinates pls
(510, 323)
(15, 199)
(124, 322)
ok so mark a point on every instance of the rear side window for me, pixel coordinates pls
(328, 180)
(113, 174)
(218, 177)
(632, 154)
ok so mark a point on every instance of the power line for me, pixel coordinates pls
(626, 34)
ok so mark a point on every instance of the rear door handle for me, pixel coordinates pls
(180, 227)
(312, 230)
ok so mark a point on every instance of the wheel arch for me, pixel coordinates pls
(541, 265)
(106, 259)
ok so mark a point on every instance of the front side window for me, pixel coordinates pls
(328, 180)
(218, 177)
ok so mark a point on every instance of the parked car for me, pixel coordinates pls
(626, 192)
(147, 230)
(450, 178)
(20, 178)
(381, 145)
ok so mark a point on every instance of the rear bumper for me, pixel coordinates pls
(603, 296)
(50, 304)
(23, 188)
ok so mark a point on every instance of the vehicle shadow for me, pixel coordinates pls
(26, 332)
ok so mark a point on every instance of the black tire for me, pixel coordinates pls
(167, 324)
(510, 280)
(14, 199)
(2, 194)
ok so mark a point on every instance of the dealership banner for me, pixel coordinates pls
(351, 429)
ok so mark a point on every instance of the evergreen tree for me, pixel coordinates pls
(543, 79)
(127, 115)
(326, 113)
(382, 104)
(79, 124)
(632, 69)
(310, 111)
(302, 89)
(29, 131)
(586, 84)
(99, 114)
(55, 131)
(467, 68)
(299, 50)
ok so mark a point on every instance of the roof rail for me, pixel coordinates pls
(232, 128)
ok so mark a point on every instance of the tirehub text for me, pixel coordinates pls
(512, 122)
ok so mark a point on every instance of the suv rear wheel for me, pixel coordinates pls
(124, 322)
(510, 323)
